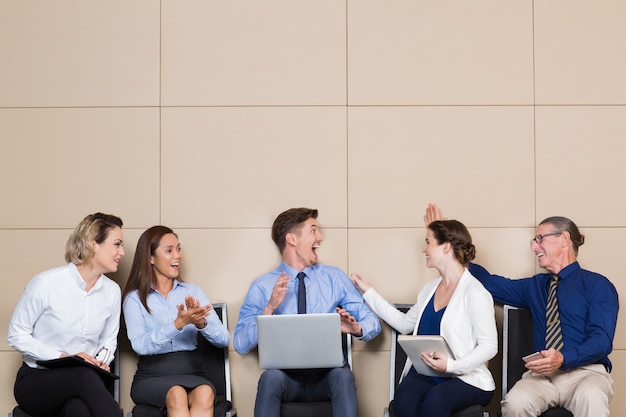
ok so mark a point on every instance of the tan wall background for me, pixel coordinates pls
(213, 116)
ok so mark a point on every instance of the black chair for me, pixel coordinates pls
(321, 408)
(398, 359)
(113, 385)
(217, 370)
(517, 341)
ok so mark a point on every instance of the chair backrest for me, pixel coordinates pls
(398, 356)
(113, 385)
(216, 363)
(346, 344)
(517, 341)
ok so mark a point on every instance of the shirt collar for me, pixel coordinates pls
(78, 279)
(293, 273)
(568, 270)
(176, 284)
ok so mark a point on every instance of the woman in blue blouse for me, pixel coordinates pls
(163, 316)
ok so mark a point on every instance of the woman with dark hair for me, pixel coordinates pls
(455, 306)
(72, 310)
(163, 317)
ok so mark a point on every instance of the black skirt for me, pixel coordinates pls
(156, 374)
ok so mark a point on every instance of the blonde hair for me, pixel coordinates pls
(94, 227)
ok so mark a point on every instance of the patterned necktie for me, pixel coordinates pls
(301, 293)
(554, 338)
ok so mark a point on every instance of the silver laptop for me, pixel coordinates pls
(300, 341)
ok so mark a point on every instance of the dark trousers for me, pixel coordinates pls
(73, 391)
(420, 396)
(336, 385)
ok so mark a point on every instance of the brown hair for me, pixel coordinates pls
(289, 221)
(458, 236)
(94, 227)
(142, 276)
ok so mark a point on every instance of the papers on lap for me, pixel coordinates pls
(69, 361)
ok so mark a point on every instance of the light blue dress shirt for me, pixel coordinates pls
(154, 333)
(326, 288)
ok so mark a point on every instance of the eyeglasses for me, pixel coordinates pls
(102, 354)
(539, 238)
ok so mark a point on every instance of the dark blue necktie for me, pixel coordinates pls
(301, 293)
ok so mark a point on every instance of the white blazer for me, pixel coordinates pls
(468, 325)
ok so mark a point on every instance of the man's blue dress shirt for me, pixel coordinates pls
(588, 306)
(326, 288)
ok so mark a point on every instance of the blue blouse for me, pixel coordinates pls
(430, 324)
(154, 333)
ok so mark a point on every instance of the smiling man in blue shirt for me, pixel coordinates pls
(328, 289)
(576, 374)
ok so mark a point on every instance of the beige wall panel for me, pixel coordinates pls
(476, 158)
(248, 53)
(372, 392)
(444, 52)
(10, 362)
(73, 53)
(245, 373)
(580, 164)
(603, 252)
(67, 163)
(506, 251)
(128, 366)
(240, 167)
(579, 52)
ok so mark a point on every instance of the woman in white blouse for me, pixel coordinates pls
(72, 310)
(455, 306)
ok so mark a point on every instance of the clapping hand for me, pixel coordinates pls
(191, 312)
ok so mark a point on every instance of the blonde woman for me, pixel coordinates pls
(71, 310)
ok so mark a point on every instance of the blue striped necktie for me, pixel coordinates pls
(554, 338)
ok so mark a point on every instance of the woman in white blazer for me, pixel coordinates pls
(455, 306)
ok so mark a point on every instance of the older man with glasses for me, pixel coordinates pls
(574, 318)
